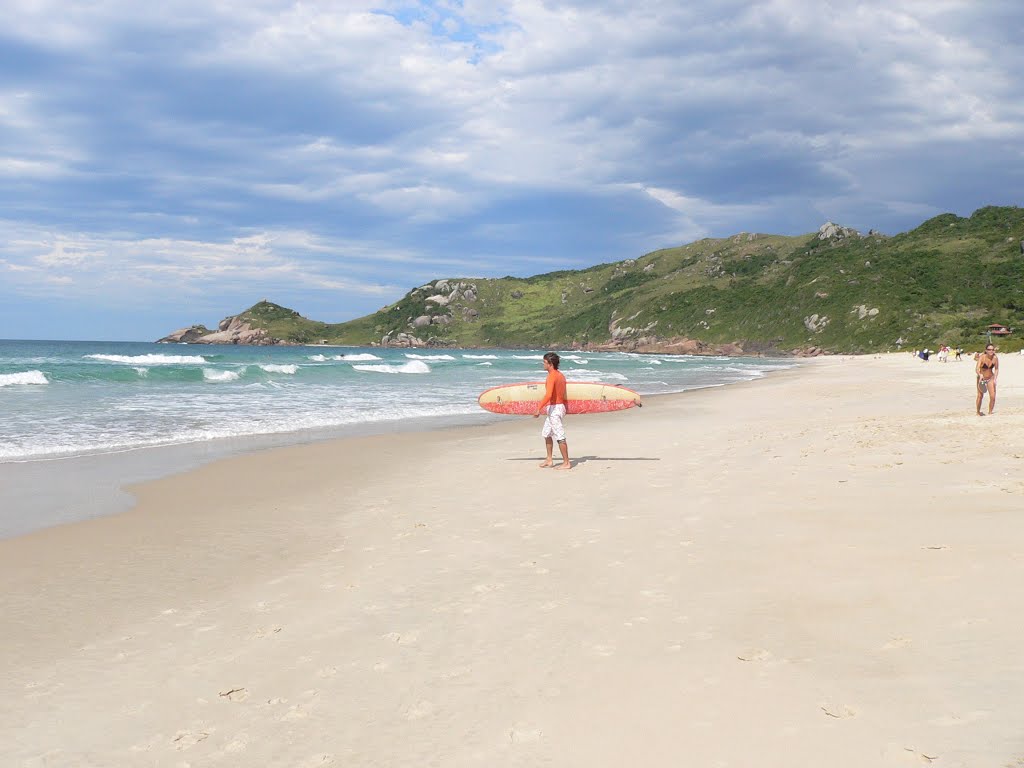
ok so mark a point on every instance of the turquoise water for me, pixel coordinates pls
(79, 398)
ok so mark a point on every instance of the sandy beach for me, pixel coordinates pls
(820, 568)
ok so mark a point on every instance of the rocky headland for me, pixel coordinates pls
(231, 330)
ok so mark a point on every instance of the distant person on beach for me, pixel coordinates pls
(553, 406)
(988, 371)
(959, 353)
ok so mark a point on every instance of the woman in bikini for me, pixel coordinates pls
(988, 371)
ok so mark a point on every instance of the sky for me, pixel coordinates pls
(174, 163)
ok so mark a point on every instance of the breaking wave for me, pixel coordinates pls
(25, 377)
(413, 366)
(149, 359)
(211, 375)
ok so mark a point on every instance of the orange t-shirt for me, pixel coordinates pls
(554, 390)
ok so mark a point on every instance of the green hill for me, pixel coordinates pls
(836, 290)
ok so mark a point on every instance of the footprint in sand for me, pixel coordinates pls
(456, 672)
(295, 712)
(187, 739)
(964, 718)
(419, 710)
(897, 642)
(524, 735)
(755, 654)
(238, 744)
(838, 711)
(316, 760)
(912, 756)
(482, 589)
(402, 638)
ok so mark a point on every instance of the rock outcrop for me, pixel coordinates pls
(674, 345)
(189, 335)
(831, 231)
(231, 330)
(412, 341)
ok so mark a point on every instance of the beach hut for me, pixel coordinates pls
(998, 330)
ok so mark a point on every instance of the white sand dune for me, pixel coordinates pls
(821, 568)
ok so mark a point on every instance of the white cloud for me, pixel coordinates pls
(411, 137)
(285, 259)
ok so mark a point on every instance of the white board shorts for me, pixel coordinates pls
(553, 423)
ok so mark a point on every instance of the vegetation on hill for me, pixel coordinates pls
(837, 290)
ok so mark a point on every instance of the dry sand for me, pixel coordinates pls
(822, 568)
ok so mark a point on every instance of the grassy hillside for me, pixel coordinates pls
(943, 282)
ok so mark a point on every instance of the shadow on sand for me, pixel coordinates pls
(584, 459)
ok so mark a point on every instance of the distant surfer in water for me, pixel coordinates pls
(553, 405)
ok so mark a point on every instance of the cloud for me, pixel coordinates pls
(483, 135)
(144, 268)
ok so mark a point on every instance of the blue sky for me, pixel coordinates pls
(164, 166)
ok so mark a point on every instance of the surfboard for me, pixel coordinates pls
(584, 397)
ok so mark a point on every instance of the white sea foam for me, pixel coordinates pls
(143, 372)
(24, 377)
(413, 356)
(485, 363)
(275, 368)
(528, 357)
(479, 357)
(211, 374)
(588, 374)
(413, 366)
(149, 359)
(346, 358)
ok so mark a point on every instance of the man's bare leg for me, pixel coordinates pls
(549, 446)
(563, 448)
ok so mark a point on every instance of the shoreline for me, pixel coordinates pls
(96, 484)
(816, 562)
(42, 492)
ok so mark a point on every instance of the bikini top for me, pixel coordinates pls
(990, 364)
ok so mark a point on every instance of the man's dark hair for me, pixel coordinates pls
(553, 358)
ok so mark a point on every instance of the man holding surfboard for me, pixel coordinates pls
(554, 405)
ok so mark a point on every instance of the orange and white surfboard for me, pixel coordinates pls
(583, 396)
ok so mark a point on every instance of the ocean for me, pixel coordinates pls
(83, 400)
